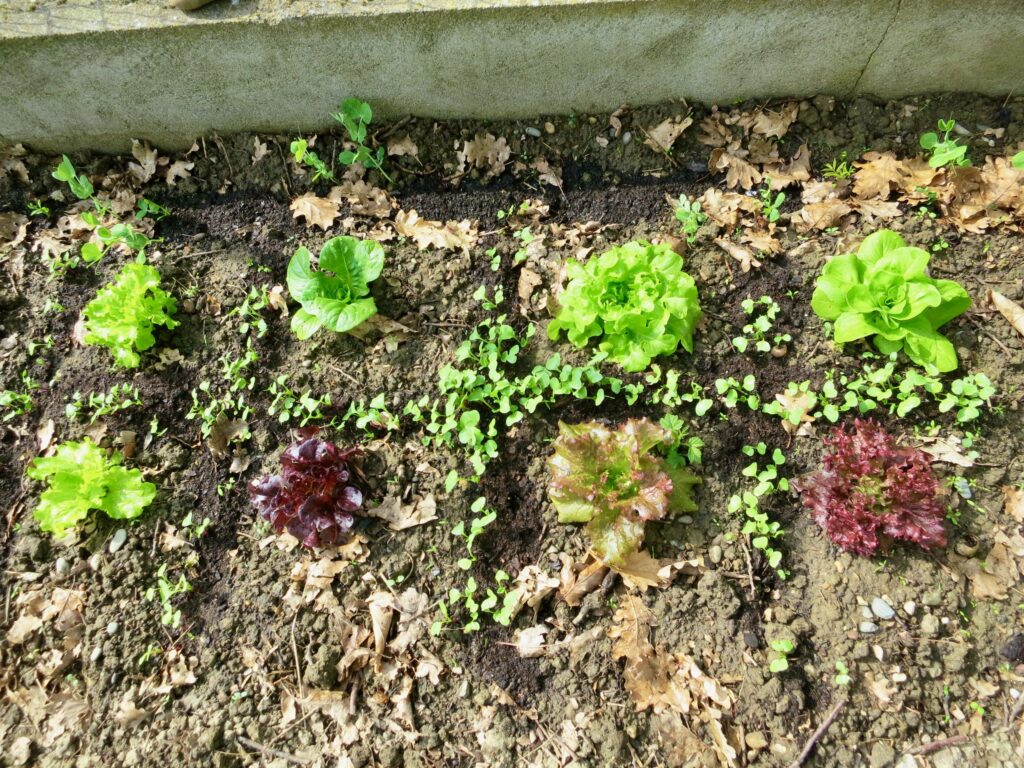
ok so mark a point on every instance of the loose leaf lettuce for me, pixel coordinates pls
(334, 301)
(80, 477)
(122, 315)
(315, 496)
(636, 298)
(884, 291)
(614, 481)
(871, 491)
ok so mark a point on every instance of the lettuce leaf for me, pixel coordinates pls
(81, 478)
(884, 292)
(333, 296)
(122, 315)
(635, 299)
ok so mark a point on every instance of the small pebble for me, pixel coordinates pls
(96, 653)
(865, 613)
(930, 625)
(910, 607)
(112, 628)
(868, 627)
(685, 519)
(62, 566)
(627, 137)
(117, 541)
(715, 554)
(882, 609)
(756, 740)
(94, 562)
(535, 132)
(932, 598)
(549, 127)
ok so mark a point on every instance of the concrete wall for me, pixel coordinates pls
(94, 75)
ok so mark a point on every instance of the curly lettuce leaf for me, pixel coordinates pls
(81, 478)
(884, 292)
(614, 481)
(635, 299)
(333, 295)
(123, 314)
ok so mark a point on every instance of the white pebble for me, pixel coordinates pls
(535, 132)
(112, 628)
(62, 566)
(910, 607)
(882, 609)
(96, 653)
(117, 540)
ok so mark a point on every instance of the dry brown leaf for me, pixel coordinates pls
(738, 252)
(461, 235)
(992, 578)
(546, 174)
(714, 133)
(947, 449)
(146, 156)
(878, 175)
(259, 149)
(414, 608)
(44, 436)
(382, 613)
(530, 642)
(775, 124)
(364, 199)
(128, 713)
(528, 282)
(823, 215)
(661, 137)
(403, 147)
(640, 571)
(484, 152)
(797, 170)
(797, 403)
(317, 211)
(13, 228)
(762, 241)
(1011, 310)
(179, 169)
(1014, 496)
(400, 516)
(877, 210)
(578, 580)
(225, 431)
(11, 164)
(739, 172)
(881, 689)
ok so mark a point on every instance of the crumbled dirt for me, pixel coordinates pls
(948, 669)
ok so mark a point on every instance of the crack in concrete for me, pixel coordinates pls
(871, 56)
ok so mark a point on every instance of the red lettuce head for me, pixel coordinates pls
(314, 498)
(871, 491)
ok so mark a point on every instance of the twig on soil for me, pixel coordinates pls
(935, 746)
(750, 567)
(1015, 712)
(818, 733)
(269, 751)
(295, 653)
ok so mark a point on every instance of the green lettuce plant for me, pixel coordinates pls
(615, 481)
(883, 291)
(123, 314)
(80, 478)
(635, 298)
(335, 295)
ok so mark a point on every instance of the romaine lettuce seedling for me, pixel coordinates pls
(615, 481)
(123, 315)
(335, 295)
(635, 299)
(883, 291)
(80, 477)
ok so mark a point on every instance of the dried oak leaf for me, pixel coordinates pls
(661, 137)
(146, 156)
(827, 213)
(743, 255)
(880, 174)
(484, 152)
(452, 235)
(546, 174)
(400, 516)
(769, 123)
(577, 580)
(1014, 497)
(739, 172)
(877, 210)
(179, 169)
(317, 211)
(403, 147)
(13, 228)
(797, 170)
(364, 199)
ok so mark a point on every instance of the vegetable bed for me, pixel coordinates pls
(679, 436)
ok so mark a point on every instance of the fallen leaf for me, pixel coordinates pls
(1014, 497)
(146, 156)
(13, 229)
(484, 152)
(414, 608)
(546, 174)
(276, 300)
(461, 235)
(23, 628)
(881, 689)
(738, 252)
(364, 199)
(129, 714)
(259, 150)
(317, 211)
(878, 175)
(1011, 310)
(400, 516)
(225, 431)
(769, 123)
(739, 172)
(179, 169)
(44, 435)
(640, 571)
(403, 147)
(528, 282)
(530, 642)
(382, 613)
(992, 578)
(947, 449)
(662, 136)
(579, 580)
(823, 215)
